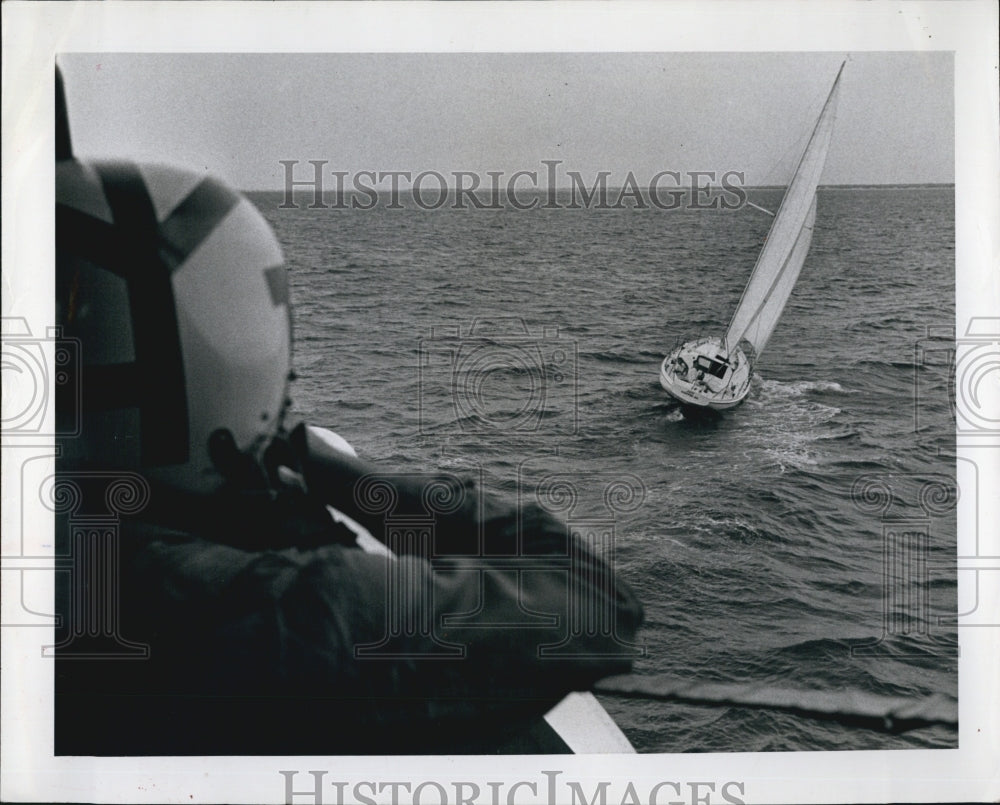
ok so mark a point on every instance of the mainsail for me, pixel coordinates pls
(787, 243)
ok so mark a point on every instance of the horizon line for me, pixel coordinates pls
(610, 188)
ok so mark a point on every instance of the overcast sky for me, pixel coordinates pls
(237, 115)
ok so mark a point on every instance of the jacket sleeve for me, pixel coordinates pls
(456, 628)
(499, 580)
(484, 606)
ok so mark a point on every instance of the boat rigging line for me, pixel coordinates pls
(749, 203)
(892, 714)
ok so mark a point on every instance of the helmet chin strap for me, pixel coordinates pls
(237, 467)
(276, 468)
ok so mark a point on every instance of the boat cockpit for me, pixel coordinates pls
(717, 367)
(703, 372)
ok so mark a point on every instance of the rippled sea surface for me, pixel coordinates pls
(779, 544)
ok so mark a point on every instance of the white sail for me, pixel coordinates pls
(759, 330)
(787, 243)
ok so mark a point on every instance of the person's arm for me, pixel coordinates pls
(388, 640)
(508, 585)
(486, 610)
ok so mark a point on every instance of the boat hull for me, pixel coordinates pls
(702, 377)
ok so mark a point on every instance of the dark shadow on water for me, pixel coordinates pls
(700, 418)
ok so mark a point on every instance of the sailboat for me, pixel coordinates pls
(713, 373)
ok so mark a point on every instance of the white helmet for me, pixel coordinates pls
(176, 288)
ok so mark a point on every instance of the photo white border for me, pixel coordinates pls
(34, 32)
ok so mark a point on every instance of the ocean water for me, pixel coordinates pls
(805, 540)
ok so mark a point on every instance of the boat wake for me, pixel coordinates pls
(799, 388)
(674, 414)
(792, 420)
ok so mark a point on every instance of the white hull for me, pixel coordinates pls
(698, 375)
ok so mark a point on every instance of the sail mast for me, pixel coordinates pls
(782, 250)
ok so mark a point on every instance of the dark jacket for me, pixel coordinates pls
(269, 631)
